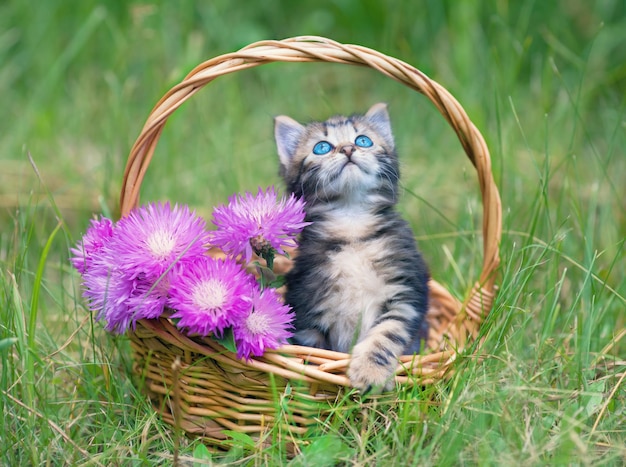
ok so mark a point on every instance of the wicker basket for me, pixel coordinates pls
(202, 388)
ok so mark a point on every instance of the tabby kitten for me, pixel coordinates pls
(359, 283)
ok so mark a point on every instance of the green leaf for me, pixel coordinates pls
(242, 438)
(594, 400)
(266, 275)
(278, 282)
(202, 453)
(227, 340)
(6, 343)
(327, 450)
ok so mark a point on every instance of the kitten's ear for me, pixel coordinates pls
(287, 133)
(379, 118)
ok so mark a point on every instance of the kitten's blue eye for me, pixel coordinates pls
(363, 141)
(321, 148)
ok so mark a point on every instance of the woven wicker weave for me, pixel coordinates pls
(204, 389)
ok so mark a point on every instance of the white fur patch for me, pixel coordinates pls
(360, 294)
(348, 223)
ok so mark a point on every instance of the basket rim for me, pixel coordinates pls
(320, 49)
(479, 300)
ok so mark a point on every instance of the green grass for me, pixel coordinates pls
(543, 81)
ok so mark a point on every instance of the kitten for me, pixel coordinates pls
(358, 283)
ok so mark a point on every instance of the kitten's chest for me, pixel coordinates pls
(359, 291)
(348, 225)
(358, 264)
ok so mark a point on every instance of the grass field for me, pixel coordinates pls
(545, 82)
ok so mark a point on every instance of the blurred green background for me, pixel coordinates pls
(79, 78)
(545, 83)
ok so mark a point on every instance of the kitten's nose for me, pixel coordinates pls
(348, 149)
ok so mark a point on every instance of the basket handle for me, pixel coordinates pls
(319, 49)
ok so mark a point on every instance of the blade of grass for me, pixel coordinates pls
(52, 425)
(34, 304)
(27, 379)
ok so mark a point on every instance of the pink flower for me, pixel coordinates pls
(266, 326)
(106, 292)
(258, 223)
(120, 300)
(153, 239)
(210, 295)
(156, 258)
(126, 268)
(148, 298)
(95, 238)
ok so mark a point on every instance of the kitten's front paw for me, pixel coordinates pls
(371, 370)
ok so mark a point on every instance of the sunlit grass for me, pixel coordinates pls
(544, 84)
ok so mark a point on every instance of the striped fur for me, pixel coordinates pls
(359, 283)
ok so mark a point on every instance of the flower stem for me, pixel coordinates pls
(267, 273)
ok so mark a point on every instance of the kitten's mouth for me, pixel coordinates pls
(349, 163)
(348, 170)
(352, 168)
